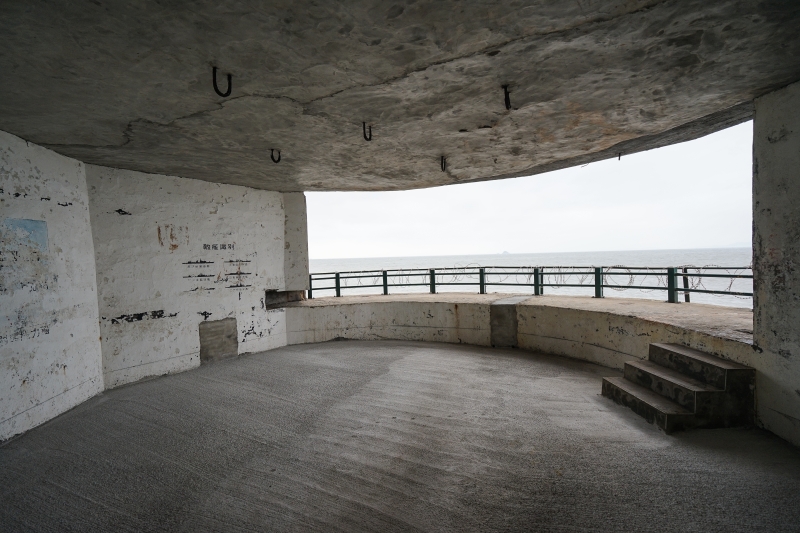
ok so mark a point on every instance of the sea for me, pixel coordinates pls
(734, 260)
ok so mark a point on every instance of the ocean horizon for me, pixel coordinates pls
(733, 258)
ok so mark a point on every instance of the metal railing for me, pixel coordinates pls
(674, 280)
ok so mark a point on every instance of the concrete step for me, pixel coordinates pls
(679, 387)
(687, 392)
(650, 405)
(701, 366)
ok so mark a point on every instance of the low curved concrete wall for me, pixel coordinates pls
(610, 332)
(606, 331)
(460, 318)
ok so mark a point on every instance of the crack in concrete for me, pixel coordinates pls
(600, 19)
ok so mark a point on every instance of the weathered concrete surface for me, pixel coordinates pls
(565, 325)
(128, 85)
(295, 242)
(49, 337)
(610, 331)
(776, 255)
(448, 317)
(173, 252)
(503, 321)
(388, 436)
(219, 339)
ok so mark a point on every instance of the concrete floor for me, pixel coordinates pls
(388, 436)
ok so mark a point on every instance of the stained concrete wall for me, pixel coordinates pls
(173, 252)
(776, 258)
(49, 335)
(454, 318)
(295, 259)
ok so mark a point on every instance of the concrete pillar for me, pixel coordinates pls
(776, 259)
(295, 258)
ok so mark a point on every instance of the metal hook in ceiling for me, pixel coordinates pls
(444, 164)
(507, 97)
(272, 155)
(367, 137)
(216, 87)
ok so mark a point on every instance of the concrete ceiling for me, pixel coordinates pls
(128, 84)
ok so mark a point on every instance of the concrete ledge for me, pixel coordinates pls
(601, 330)
(454, 318)
(610, 331)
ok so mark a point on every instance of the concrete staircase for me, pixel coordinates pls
(681, 388)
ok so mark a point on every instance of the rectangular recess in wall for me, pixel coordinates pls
(219, 339)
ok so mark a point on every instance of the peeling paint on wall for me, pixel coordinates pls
(138, 317)
(49, 333)
(24, 259)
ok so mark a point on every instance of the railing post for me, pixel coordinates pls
(685, 285)
(385, 283)
(598, 282)
(482, 278)
(433, 281)
(310, 285)
(672, 285)
(537, 282)
(338, 286)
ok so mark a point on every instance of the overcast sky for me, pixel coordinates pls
(690, 195)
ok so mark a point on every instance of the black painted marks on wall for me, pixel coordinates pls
(138, 317)
(239, 275)
(205, 315)
(121, 212)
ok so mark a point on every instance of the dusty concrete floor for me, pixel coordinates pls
(388, 436)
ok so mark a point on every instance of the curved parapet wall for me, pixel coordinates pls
(456, 318)
(606, 331)
(614, 330)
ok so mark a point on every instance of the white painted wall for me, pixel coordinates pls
(172, 252)
(49, 335)
(295, 266)
(776, 258)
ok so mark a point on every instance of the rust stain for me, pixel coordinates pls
(173, 235)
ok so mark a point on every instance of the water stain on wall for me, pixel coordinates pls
(24, 256)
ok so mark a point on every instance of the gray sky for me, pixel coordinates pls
(690, 195)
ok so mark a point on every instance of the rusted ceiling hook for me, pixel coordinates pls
(507, 97)
(367, 137)
(272, 155)
(216, 87)
(444, 164)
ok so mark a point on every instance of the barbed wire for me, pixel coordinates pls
(616, 277)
